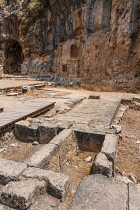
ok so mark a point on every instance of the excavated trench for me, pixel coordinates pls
(74, 156)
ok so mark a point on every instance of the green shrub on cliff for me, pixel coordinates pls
(34, 6)
(2, 2)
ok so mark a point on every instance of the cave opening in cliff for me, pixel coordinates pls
(14, 57)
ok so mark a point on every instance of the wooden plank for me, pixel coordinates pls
(30, 109)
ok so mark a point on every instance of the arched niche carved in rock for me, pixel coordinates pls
(10, 26)
(49, 36)
(74, 52)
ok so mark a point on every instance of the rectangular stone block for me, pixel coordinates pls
(66, 146)
(97, 192)
(102, 165)
(62, 125)
(47, 132)
(26, 131)
(134, 196)
(57, 183)
(10, 170)
(21, 194)
(109, 147)
(42, 156)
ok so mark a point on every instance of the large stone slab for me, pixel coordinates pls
(100, 114)
(57, 183)
(102, 165)
(47, 132)
(55, 153)
(134, 196)
(66, 146)
(26, 131)
(22, 193)
(109, 147)
(42, 156)
(99, 192)
(10, 170)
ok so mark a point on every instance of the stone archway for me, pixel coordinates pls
(14, 57)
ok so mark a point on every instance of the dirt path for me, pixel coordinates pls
(128, 157)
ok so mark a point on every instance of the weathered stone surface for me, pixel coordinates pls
(47, 132)
(109, 147)
(97, 116)
(57, 183)
(66, 145)
(102, 165)
(3, 207)
(98, 192)
(25, 131)
(10, 170)
(88, 141)
(45, 202)
(42, 156)
(134, 196)
(42, 206)
(22, 193)
(63, 125)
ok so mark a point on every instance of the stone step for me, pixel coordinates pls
(99, 192)
(57, 183)
(10, 170)
(21, 194)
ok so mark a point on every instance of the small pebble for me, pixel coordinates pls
(88, 159)
(12, 145)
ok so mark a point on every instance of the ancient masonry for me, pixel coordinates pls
(39, 181)
(96, 41)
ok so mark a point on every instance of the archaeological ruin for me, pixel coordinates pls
(70, 104)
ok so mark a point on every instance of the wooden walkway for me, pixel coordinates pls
(30, 109)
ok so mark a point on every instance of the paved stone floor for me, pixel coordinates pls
(100, 193)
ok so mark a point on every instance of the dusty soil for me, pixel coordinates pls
(12, 149)
(5, 83)
(128, 156)
(77, 168)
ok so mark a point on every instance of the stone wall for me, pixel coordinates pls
(95, 40)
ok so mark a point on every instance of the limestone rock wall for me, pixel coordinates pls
(95, 40)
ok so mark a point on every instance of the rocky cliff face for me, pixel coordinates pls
(95, 40)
